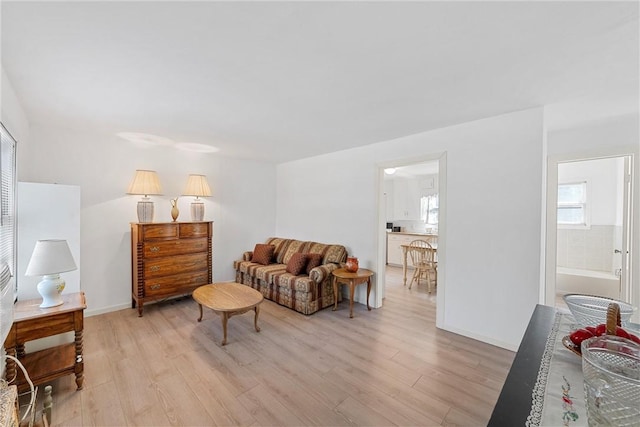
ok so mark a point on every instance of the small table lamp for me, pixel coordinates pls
(197, 186)
(145, 183)
(49, 259)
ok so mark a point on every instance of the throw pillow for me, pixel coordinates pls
(314, 261)
(297, 263)
(262, 254)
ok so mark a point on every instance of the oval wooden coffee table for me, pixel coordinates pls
(228, 299)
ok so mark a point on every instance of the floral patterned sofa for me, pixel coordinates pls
(278, 275)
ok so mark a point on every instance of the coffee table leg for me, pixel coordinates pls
(200, 318)
(255, 319)
(225, 318)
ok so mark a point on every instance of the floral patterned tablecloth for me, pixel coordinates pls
(558, 395)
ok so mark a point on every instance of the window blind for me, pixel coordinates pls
(7, 208)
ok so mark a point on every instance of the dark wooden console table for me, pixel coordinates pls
(514, 404)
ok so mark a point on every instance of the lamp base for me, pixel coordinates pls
(145, 210)
(50, 287)
(197, 211)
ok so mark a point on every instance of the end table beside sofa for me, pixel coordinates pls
(352, 279)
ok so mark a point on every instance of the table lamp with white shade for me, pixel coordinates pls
(145, 183)
(197, 186)
(49, 259)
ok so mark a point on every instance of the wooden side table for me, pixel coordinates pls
(31, 322)
(341, 275)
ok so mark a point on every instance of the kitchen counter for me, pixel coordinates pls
(395, 240)
(411, 233)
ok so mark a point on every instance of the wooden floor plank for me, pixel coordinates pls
(266, 409)
(213, 391)
(361, 415)
(410, 411)
(101, 406)
(388, 366)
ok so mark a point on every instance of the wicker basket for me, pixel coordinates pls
(611, 369)
(589, 310)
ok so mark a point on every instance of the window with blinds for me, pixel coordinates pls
(572, 205)
(7, 209)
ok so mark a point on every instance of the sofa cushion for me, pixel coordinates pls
(301, 284)
(281, 246)
(297, 263)
(263, 254)
(330, 253)
(314, 261)
(294, 247)
(267, 272)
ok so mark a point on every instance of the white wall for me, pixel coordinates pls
(489, 253)
(47, 211)
(11, 113)
(242, 206)
(607, 135)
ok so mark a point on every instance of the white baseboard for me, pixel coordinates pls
(488, 340)
(89, 313)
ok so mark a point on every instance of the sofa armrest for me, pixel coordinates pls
(321, 272)
(247, 256)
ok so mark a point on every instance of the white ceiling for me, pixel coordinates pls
(286, 80)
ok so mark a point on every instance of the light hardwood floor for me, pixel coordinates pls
(389, 366)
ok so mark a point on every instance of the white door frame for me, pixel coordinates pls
(380, 285)
(631, 290)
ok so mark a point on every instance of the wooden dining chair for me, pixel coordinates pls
(422, 256)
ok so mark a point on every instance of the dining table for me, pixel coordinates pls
(405, 250)
(545, 385)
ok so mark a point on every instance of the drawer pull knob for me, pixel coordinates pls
(154, 268)
(154, 287)
(154, 249)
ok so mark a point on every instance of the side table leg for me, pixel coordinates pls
(368, 292)
(352, 288)
(10, 365)
(225, 319)
(200, 318)
(20, 351)
(255, 319)
(335, 293)
(79, 368)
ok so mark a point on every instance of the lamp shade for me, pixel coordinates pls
(50, 257)
(145, 182)
(198, 186)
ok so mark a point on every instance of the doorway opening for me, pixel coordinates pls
(592, 223)
(411, 208)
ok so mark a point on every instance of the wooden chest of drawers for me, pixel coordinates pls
(169, 259)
